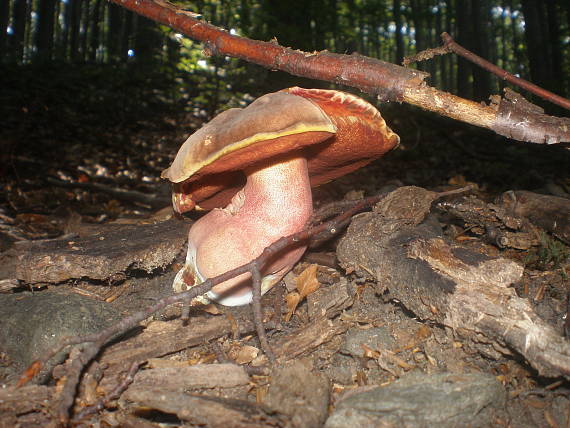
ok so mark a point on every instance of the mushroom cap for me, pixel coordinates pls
(335, 131)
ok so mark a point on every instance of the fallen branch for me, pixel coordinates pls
(454, 47)
(387, 81)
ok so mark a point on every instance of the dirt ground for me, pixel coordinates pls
(353, 336)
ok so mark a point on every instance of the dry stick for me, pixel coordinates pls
(257, 312)
(115, 393)
(453, 46)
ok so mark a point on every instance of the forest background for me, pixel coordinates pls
(92, 56)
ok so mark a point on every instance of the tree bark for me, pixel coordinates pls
(44, 30)
(19, 19)
(4, 18)
(464, 88)
(400, 53)
(481, 31)
(538, 50)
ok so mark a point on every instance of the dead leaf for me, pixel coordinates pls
(29, 373)
(244, 354)
(307, 281)
(291, 300)
(306, 284)
(211, 309)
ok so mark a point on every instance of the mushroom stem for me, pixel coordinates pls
(275, 202)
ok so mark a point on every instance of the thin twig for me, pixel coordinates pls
(453, 46)
(114, 394)
(257, 313)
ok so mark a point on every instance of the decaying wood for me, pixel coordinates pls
(202, 410)
(308, 338)
(551, 213)
(388, 81)
(184, 378)
(493, 222)
(327, 302)
(114, 249)
(25, 407)
(448, 284)
(162, 338)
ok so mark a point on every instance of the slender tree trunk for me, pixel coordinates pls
(448, 59)
(538, 49)
(94, 39)
(44, 30)
(4, 19)
(481, 30)
(19, 19)
(397, 11)
(85, 30)
(75, 22)
(115, 26)
(464, 87)
(127, 34)
(555, 43)
(430, 39)
(420, 28)
(147, 41)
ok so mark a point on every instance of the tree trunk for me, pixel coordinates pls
(44, 30)
(555, 43)
(95, 31)
(448, 59)
(464, 87)
(4, 18)
(85, 30)
(126, 35)
(147, 41)
(420, 27)
(114, 33)
(75, 22)
(481, 29)
(397, 5)
(538, 49)
(19, 20)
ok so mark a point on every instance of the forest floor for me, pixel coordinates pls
(79, 181)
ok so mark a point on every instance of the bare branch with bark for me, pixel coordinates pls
(387, 81)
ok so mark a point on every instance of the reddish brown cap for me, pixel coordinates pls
(337, 132)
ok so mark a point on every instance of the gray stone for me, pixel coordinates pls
(300, 393)
(374, 338)
(443, 400)
(31, 324)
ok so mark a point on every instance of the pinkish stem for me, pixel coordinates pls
(275, 202)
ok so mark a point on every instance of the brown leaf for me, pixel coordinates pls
(306, 284)
(244, 354)
(307, 281)
(292, 300)
(29, 373)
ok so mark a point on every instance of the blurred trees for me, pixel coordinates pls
(530, 38)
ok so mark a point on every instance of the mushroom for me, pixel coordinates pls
(254, 169)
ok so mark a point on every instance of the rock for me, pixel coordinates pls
(373, 338)
(301, 394)
(440, 400)
(31, 324)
